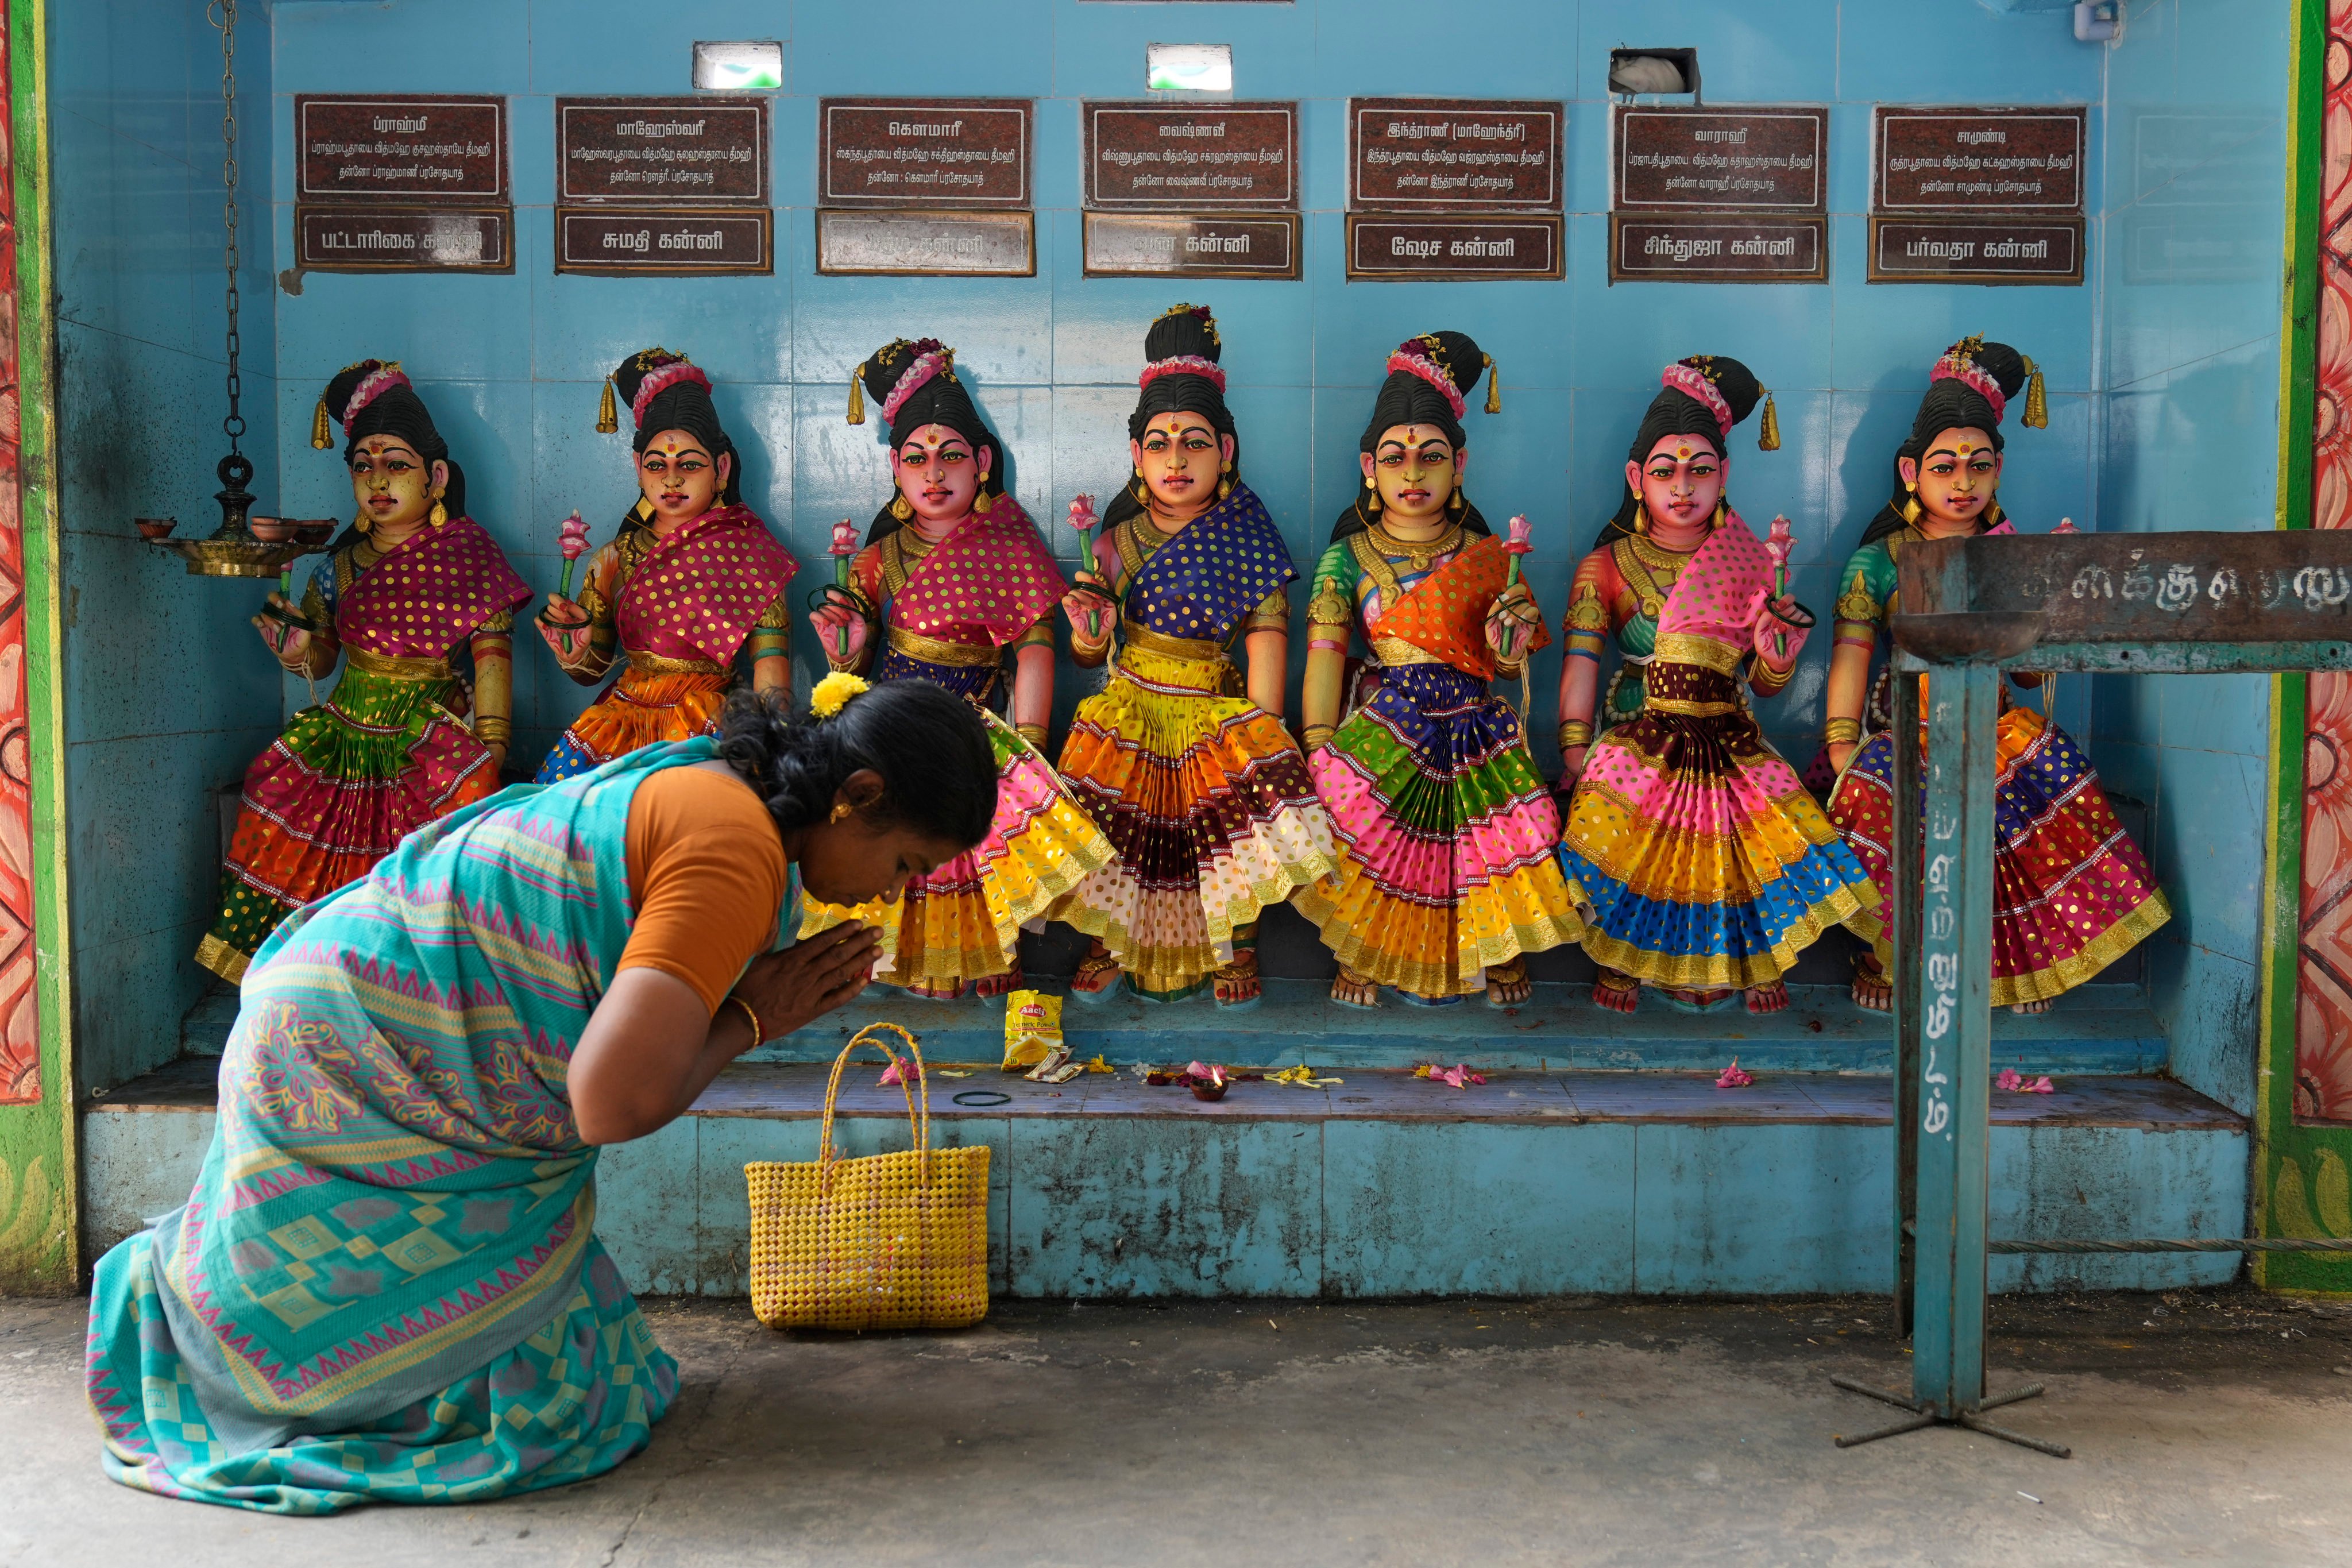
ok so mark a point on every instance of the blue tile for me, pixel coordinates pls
(2209, 846)
(1097, 50)
(2216, 712)
(934, 46)
(1770, 1208)
(1500, 1211)
(2110, 1182)
(1980, 55)
(577, 52)
(1111, 1206)
(475, 46)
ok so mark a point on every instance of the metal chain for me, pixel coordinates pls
(221, 13)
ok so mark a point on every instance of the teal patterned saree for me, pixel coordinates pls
(387, 1285)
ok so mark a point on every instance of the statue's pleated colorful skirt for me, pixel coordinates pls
(1446, 837)
(2071, 892)
(346, 782)
(1696, 855)
(643, 708)
(1208, 807)
(963, 921)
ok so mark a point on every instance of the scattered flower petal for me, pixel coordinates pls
(1734, 1077)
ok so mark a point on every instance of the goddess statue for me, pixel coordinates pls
(1701, 864)
(692, 584)
(1447, 876)
(2072, 893)
(1188, 771)
(417, 601)
(953, 574)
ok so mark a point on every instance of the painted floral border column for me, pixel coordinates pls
(2323, 1044)
(20, 1041)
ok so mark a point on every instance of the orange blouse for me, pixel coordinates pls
(707, 875)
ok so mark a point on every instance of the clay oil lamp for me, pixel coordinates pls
(156, 528)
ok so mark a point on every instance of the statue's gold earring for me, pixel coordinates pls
(1372, 501)
(899, 509)
(438, 515)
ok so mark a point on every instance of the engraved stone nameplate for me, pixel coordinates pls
(661, 152)
(1204, 157)
(337, 239)
(623, 241)
(931, 152)
(1437, 154)
(1748, 159)
(1968, 159)
(418, 147)
(925, 244)
(1191, 245)
(1990, 249)
(1453, 246)
(1725, 248)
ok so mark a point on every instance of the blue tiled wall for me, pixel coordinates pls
(2189, 279)
(168, 692)
(2163, 385)
(512, 363)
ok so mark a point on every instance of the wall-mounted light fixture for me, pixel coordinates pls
(749, 66)
(1654, 72)
(2098, 21)
(1191, 68)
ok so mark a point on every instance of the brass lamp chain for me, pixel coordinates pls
(221, 13)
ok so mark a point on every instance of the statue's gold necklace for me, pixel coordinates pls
(1418, 554)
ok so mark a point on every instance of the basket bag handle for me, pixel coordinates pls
(919, 1124)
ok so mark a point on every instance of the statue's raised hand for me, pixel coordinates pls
(288, 644)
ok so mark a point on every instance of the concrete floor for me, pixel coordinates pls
(2211, 1427)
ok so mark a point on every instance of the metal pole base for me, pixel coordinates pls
(1923, 1415)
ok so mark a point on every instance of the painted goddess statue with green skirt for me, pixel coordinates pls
(417, 601)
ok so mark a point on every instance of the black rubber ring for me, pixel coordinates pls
(982, 1097)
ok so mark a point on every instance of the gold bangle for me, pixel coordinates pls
(1574, 732)
(1841, 732)
(759, 1030)
(1032, 733)
(1314, 735)
(492, 731)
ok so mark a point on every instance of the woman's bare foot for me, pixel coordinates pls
(988, 985)
(1872, 990)
(1763, 999)
(1617, 993)
(1098, 972)
(1508, 985)
(1237, 982)
(2031, 1007)
(1350, 989)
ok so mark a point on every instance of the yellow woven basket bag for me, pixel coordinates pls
(888, 1241)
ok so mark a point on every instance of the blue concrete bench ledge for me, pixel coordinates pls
(1539, 1182)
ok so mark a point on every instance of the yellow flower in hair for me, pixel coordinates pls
(833, 692)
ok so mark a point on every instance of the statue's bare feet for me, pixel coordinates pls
(938, 991)
(1617, 993)
(988, 985)
(1508, 985)
(1237, 982)
(1763, 999)
(1350, 989)
(2031, 1007)
(1098, 972)
(1872, 992)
